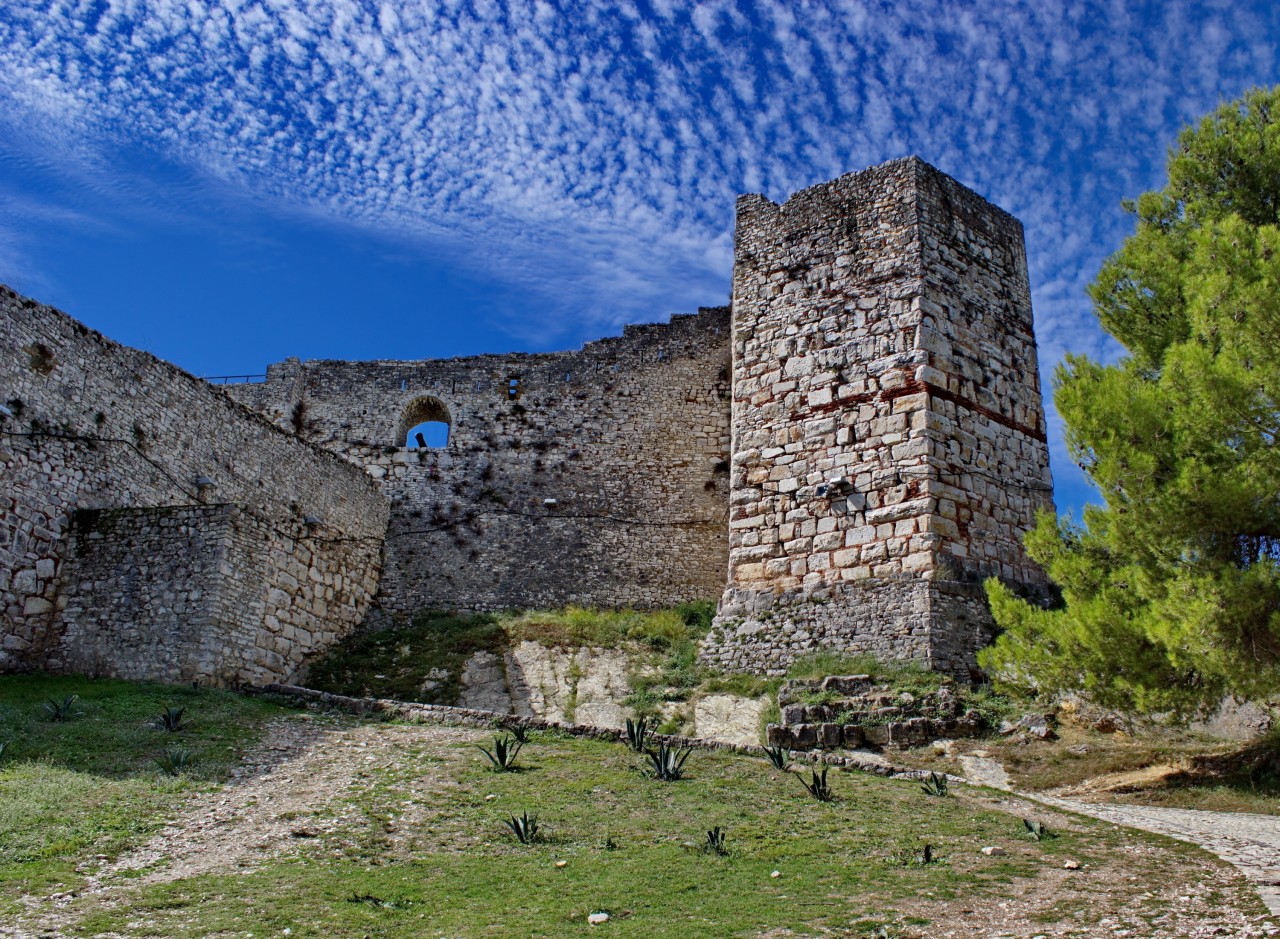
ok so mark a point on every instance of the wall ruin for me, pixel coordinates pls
(629, 438)
(854, 445)
(125, 445)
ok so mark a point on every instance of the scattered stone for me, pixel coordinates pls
(597, 919)
(775, 874)
(1071, 865)
(561, 863)
(994, 851)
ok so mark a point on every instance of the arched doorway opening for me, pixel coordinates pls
(425, 424)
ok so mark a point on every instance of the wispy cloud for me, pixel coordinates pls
(590, 153)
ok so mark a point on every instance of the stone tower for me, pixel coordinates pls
(889, 447)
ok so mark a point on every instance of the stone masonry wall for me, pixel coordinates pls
(98, 426)
(889, 446)
(858, 444)
(629, 436)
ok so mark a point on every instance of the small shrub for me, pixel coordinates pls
(175, 761)
(815, 698)
(637, 733)
(170, 720)
(380, 902)
(667, 763)
(714, 844)
(1038, 830)
(935, 785)
(697, 615)
(818, 787)
(675, 724)
(524, 826)
(778, 756)
(503, 756)
(913, 857)
(64, 710)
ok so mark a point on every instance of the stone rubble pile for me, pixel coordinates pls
(850, 711)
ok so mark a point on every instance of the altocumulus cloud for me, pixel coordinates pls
(592, 151)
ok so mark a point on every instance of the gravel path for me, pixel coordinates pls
(1250, 842)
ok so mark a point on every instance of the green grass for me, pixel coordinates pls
(90, 785)
(422, 659)
(437, 861)
(415, 845)
(419, 660)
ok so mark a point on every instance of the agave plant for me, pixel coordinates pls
(175, 761)
(637, 734)
(170, 720)
(63, 710)
(715, 842)
(521, 733)
(524, 826)
(503, 756)
(818, 787)
(935, 785)
(667, 763)
(1038, 830)
(778, 756)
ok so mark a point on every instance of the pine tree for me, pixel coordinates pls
(1171, 589)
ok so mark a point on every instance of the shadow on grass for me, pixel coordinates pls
(113, 731)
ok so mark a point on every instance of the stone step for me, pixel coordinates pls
(911, 732)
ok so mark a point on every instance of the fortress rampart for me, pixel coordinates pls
(841, 456)
(152, 527)
(595, 477)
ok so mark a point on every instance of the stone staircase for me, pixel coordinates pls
(850, 711)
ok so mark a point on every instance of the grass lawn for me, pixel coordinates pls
(89, 785)
(344, 828)
(417, 847)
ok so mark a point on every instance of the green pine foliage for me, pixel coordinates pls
(1171, 589)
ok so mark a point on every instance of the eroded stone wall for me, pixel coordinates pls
(94, 425)
(856, 447)
(628, 436)
(889, 445)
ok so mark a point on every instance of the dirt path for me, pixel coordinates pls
(289, 790)
(1249, 842)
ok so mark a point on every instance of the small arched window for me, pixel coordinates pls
(425, 424)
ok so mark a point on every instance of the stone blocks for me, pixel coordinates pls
(888, 432)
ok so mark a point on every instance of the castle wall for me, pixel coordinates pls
(99, 426)
(857, 445)
(888, 432)
(629, 436)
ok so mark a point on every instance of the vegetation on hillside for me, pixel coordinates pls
(422, 659)
(430, 841)
(1171, 588)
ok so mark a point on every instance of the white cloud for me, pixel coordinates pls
(593, 155)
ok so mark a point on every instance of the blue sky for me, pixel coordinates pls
(229, 182)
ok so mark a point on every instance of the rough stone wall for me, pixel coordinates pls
(888, 432)
(629, 436)
(205, 592)
(858, 446)
(98, 426)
